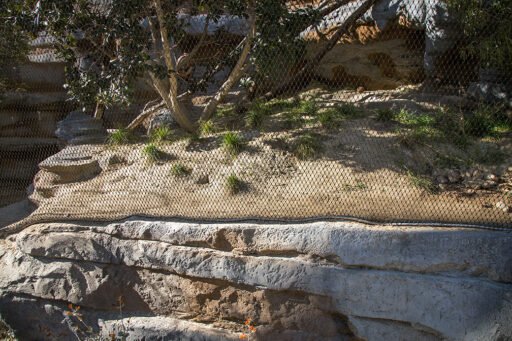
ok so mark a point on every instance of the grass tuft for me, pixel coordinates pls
(421, 182)
(225, 111)
(120, 136)
(487, 120)
(179, 170)
(256, 114)
(206, 128)
(152, 152)
(232, 143)
(161, 134)
(385, 115)
(234, 185)
(307, 147)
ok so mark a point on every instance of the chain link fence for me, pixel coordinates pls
(384, 110)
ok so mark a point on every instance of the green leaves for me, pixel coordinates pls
(487, 26)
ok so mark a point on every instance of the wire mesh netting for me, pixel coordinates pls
(383, 110)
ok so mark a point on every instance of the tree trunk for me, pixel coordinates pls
(170, 97)
(237, 71)
(305, 73)
(99, 111)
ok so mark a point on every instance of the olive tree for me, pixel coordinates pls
(110, 44)
(13, 37)
(487, 27)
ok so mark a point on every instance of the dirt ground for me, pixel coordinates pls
(361, 170)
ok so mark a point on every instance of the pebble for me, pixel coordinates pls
(489, 184)
(470, 191)
(504, 207)
(491, 177)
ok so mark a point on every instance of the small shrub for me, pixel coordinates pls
(161, 134)
(206, 128)
(152, 152)
(249, 330)
(487, 120)
(120, 136)
(331, 118)
(179, 170)
(232, 143)
(307, 147)
(385, 115)
(233, 184)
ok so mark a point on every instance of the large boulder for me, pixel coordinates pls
(79, 128)
(315, 281)
(396, 42)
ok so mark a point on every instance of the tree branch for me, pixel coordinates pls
(302, 76)
(236, 73)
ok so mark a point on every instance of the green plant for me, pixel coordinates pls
(225, 111)
(161, 134)
(487, 120)
(416, 128)
(307, 107)
(451, 126)
(179, 170)
(491, 43)
(385, 115)
(421, 182)
(234, 185)
(120, 136)
(152, 152)
(359, 186)
(294, 119)
(307, 147)
(256, 114)
(232, 143)
(206, 128)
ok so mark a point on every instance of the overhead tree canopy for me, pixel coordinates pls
(111, 44)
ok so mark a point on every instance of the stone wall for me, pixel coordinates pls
(315, 281)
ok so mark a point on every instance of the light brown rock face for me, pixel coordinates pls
(316, 281)
(374, 59)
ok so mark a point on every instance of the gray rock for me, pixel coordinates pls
(493, 93)
(79, 128)
(402, 283)
(162, 118)
(165, 328)
(75, 163)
